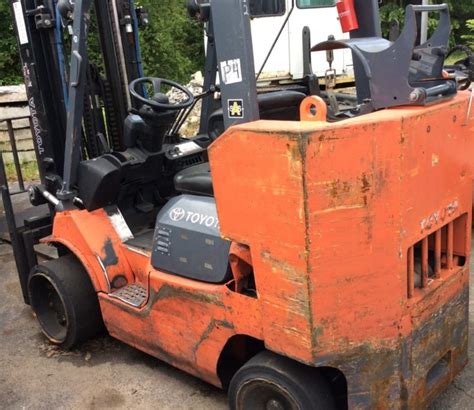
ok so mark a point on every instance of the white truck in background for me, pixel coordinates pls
(286, 62)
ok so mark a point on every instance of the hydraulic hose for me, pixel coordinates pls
(138, 49)
(61, 58)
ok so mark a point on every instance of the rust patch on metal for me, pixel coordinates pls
(291, 272)
(316, 333)
(212, 325)
(111, 258)
(365, 184)
(338, 188)
(395, 373)
(331, 137)
(168, 292)
(304, 143)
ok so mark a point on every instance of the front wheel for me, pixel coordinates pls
(271, 382)
(64, 301)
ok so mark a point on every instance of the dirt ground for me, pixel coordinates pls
(105, 373)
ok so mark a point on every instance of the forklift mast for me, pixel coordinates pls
(36, 43)
(70, 98)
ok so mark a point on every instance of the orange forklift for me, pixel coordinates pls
(311, 251)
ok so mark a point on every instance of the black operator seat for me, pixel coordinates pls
(195, 180)
(278, 105)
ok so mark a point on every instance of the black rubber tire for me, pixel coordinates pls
(268, 381)
(65, 302)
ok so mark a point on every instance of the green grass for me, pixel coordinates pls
(28, 169)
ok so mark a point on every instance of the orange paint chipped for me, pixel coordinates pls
(326, 215)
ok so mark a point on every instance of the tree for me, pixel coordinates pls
(460, 10)
(10, 69)
(469, 37)
(173, 45)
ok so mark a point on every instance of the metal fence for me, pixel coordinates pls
(15, 154)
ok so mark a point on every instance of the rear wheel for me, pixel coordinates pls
(271, 382)
(64, 301)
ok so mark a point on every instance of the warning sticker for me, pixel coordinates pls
(236, 108)
(20, 23)
(231, 71)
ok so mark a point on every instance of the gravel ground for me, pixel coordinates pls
(105, 373)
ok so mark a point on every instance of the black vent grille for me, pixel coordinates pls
(190, 161)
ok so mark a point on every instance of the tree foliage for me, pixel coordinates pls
(469, 37)
(9, 58)
(460, 10)
(395, 11)
(173, 44)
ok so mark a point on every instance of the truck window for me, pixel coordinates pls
(263, 8)
(307, 4)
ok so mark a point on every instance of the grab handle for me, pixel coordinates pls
(431, 7)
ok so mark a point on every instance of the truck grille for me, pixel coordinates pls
(437, 255)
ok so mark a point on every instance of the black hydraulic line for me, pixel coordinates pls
(48, 39)
(96, 106)
(184, 115)
(91, 144)
(93, 119)
(276, 40)
(58, 34)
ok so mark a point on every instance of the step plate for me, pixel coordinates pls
(134, 295)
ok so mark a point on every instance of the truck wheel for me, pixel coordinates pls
(271, 382)
(64, 301)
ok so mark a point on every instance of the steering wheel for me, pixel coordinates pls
(136, 90)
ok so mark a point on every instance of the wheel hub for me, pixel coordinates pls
(274, 404)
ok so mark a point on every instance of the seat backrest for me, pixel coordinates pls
(277, 105)
(400, 73)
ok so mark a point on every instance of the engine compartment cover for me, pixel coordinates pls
(187, 240)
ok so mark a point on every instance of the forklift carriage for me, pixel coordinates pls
(300, 253)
